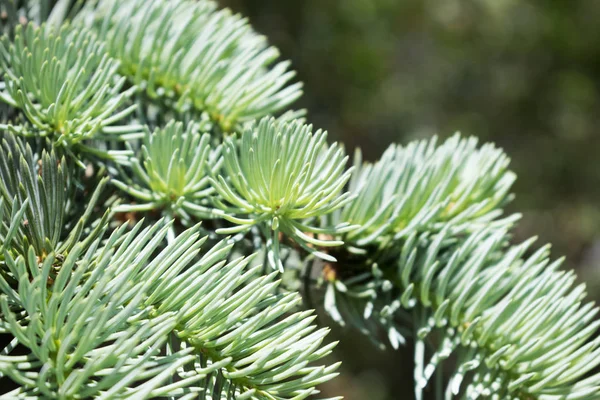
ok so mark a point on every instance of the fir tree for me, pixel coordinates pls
(161, 205)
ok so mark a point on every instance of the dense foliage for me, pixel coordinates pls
(161, 207)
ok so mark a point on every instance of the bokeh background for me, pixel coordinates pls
(523, 74)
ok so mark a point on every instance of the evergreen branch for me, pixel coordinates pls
(422, 246)
(42, 188)
(94, 329)
(432, 251)
(82, 323)
(190, 54)
(11, 216)
(516, 323)
(423, 187)
(174, 175)
(279, 176)
(64, 83)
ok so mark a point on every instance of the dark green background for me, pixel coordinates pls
(523, 74)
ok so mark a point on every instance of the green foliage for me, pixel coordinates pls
(424, 187)
(10, 217)
(64, 83)
(281, 175)
(514, 324)
(191, 55)
(41, 188)
(521, 74)
(174, 176)
(20, 181)
(109, 294)
(219, 336)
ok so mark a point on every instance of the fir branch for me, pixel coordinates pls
(422, 245)
(431, 250)
(42, 187)
(515, 323)
(193, 56)
(425, 186)
(281, 176)
(175, 172)
(514, 326)
(65, 84)
(95, 329)
(421, 188)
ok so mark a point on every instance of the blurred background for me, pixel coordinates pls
(523, 74)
